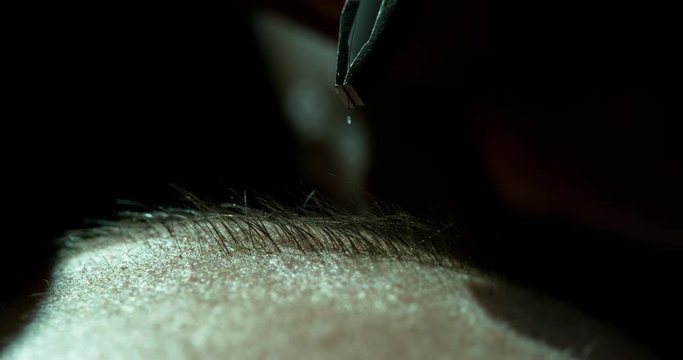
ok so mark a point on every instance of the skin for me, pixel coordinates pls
(141, 294)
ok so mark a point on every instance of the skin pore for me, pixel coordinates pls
(251, 284)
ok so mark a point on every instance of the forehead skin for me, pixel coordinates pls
(163, 297)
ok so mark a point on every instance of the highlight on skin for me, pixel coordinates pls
(234, 282)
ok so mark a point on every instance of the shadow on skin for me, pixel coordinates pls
(552, 323)
(18, 312)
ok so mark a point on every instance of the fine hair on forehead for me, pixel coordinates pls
(266, 227)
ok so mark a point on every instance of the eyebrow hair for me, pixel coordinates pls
(269, 228)
(266, 228)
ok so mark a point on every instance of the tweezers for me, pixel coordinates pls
(371, 33)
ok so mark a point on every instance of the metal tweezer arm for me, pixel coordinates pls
(391, 24)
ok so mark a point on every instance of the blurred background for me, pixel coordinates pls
(550, 133)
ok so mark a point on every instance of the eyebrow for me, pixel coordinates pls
(270, 229)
